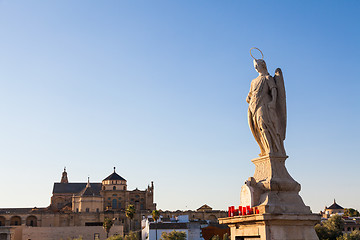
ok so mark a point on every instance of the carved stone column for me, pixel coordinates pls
(275, 190)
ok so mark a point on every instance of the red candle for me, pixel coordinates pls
(247, 210)
(236, 212)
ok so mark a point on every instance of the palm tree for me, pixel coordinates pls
(130, 212)
(107, 225)
(155, 215)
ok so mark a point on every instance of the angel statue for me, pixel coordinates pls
(267, 109)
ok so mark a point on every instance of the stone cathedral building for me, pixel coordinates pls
(110, 194)
(79, 209)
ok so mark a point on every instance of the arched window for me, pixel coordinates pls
(114, 203)
(31, 221)
(114, 187)
(213, 219)
(2, 221)
(3, 236)
(15, 221)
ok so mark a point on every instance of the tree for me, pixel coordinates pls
(174, 235)
(131, 236)
(321, 231)
(115, 237)
(108, 223)
(215, 237)
(354, 235)
(130, 212)
(155, 215)
(330, 229)
(350, 212)
(226, 236)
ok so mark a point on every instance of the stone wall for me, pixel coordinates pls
(58, 233)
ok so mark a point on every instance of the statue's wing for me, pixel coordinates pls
(281, 102)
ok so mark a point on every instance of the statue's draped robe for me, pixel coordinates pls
(263, 121)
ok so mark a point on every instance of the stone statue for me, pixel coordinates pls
(267, 109)
(280, 213)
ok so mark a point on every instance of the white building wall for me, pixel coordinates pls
(145, 229)
(193, 231)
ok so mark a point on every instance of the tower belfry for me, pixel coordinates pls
(64, 178)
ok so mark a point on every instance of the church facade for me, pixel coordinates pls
(77, 206)
(111, 194)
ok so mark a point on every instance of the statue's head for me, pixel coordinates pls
(260, 66)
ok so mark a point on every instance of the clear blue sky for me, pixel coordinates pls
(158, 88)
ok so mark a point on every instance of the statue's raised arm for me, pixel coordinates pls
(267, 109)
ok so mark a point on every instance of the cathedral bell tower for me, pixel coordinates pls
(64, 178)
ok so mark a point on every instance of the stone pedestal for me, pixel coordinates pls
(282, 212)
(272, 226)
(275, 191)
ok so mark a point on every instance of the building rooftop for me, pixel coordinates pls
(19, 210)
(88, 191)
(75, 188)
(204, 207)
(335, 206)
(114, 176)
